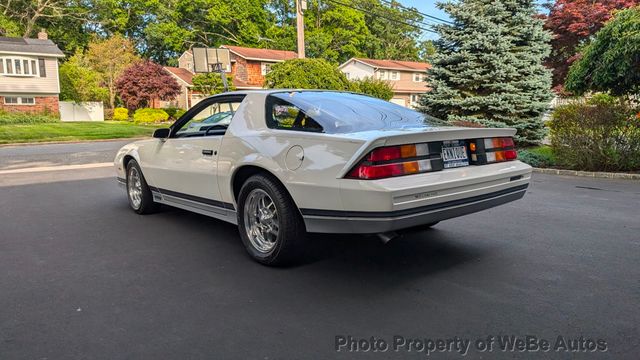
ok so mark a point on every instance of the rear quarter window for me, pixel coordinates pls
(336, 112)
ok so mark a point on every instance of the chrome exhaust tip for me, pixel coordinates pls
(387, 236)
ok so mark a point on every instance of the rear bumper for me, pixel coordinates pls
(404, 202)
(327, 221)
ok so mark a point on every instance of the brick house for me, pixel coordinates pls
(406, 77)
(29, 74)
(248, 68)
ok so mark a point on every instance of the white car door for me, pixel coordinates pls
(184, 166)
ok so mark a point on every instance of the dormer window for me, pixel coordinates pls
(19, 66)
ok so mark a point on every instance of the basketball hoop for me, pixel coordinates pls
(208, 60)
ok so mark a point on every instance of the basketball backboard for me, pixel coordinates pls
(205, 59)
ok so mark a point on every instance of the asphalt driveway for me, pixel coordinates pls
(82, 277)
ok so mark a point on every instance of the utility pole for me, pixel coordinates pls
(301, 6)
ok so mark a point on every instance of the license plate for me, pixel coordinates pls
(454, 156)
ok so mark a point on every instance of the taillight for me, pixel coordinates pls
(492, 150)
(390, 161)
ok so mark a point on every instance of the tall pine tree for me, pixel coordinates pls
(488, 67)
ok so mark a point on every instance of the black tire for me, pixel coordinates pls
(146, 205)
(291, 231)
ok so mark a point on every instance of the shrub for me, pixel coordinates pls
(599, 135)
(306, 74)
(174, 112)
(537, 157)
(120, 114)
(148, 115)
(373, 87)
(26, 118)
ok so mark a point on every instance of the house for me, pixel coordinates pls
(248, 68)
(406, 77)
(29, 74)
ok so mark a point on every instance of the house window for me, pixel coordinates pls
(18, 100)
(382, 74)
(15, 66)
(418, 77)
(395, 75)
(415, 98)
(11, 100)
(27, 101)
(265, 68)
(348, 75)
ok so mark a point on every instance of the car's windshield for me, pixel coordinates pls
(341, 112)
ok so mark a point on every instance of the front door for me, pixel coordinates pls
(185, 164)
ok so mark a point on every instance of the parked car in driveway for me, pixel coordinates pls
(294, 161)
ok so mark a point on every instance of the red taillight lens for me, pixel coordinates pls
(396, 161)
(491, 150)
(510, 154)
(385, 154)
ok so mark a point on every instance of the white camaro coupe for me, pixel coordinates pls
(279, 163)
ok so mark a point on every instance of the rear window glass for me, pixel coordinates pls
(339, 112)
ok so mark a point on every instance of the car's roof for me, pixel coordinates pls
(271, 91)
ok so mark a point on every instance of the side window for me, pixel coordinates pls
(286, 116)
(210, 121)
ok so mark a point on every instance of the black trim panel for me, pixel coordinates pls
(398, 213)
(121, 180)
(216, 203)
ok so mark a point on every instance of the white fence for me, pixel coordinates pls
(84, 111)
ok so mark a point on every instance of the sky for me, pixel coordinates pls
(428, 7)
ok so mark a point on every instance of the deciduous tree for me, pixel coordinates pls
(143, 82)
(211, 83)
(109, 58)
(573, 22)
(306, 74)
(78, 82)
(611, 62)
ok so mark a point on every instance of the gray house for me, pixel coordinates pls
(29, 74)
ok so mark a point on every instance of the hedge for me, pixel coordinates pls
(598, 135)
(147, 115)
(26, 118)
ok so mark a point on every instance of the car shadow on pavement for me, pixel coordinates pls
(414, 254)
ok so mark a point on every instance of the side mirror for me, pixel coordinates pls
(161, 133)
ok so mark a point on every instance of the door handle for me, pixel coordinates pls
(207, 152)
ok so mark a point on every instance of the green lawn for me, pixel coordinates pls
(70, 131)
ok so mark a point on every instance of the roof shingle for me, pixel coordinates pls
(261, 54)
(29, 46)
(395, 64)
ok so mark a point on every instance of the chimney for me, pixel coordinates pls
(42, 35)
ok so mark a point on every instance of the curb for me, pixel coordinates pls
(73, 141)
(597, 174)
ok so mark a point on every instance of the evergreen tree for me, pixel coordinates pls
(488, 67)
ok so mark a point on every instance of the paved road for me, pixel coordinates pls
(26, 156)
(82, 277)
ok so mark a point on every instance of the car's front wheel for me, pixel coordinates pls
(270, 225)
(138, 192)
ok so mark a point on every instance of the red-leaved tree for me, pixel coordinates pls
(572, 22)
(143, 82)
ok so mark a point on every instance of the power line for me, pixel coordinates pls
(395, 3)
(384, 17)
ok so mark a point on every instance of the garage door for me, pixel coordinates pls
(399, 101)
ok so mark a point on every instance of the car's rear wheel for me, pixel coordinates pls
(138, 192)
(270, 225)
